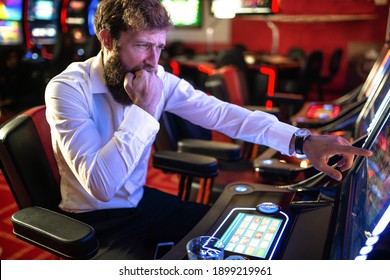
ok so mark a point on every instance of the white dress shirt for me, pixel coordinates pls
(103, 147)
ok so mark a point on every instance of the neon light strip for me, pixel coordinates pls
(63, 15)
(379, 228)
(383, 222)
(271, 79)
(374, 83)
(378, 114)
(281, 233)
(275, 6)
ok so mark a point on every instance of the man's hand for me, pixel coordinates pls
(319, 148)
(144, 89)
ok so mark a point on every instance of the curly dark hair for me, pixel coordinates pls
(122, 15)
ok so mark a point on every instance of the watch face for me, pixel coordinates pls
(302, 132)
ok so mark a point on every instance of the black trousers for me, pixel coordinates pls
(133, 233)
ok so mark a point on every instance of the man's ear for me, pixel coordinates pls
(106, 39)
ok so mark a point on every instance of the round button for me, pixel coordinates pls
(267, 208)
(236, 258)
(241, 189)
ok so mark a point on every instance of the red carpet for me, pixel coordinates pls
(12, 248)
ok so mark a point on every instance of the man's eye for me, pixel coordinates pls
(146, 47)
(143, 47)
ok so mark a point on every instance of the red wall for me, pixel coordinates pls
(253, 31)
(314, 35)
(325, 36)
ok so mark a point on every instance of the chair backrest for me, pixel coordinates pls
(335, 61)
(296, 53)
(246, 76)
(27, 160)
(310, 72)
(234, 57)
(312, 66)
(229, 84)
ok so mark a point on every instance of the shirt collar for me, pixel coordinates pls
(97, 75)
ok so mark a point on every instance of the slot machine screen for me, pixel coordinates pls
(252, 7)
(11, 30)
(43, 21)
(11, 10)
(11, 33)
(370, 205)
(184, 13)
(250, 234)
(255, 7)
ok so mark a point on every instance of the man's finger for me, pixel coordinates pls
(333, 173)
(352, 150)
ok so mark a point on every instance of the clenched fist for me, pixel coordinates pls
(144, 89)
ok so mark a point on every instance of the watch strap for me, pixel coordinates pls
(299, 145)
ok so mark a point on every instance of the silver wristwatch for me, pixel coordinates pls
(300, 136)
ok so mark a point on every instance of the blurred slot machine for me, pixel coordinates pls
(42, 27)
(78, 29)
(12, 48)
(11, 30)
(41, 20)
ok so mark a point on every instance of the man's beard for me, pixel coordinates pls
(115, 72)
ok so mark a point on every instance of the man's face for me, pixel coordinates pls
(135, 51)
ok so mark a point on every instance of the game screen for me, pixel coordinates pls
(258, 7)
(372, 193)
(184, 13)
(11, 10)
(253, 235)
(11, 30)
(11, 33)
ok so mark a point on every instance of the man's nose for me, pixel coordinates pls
(153, 56)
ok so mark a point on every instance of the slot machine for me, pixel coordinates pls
(11, 29)
(77, 40)
(79, 28)
(317, 218)
(351, 123)
(42, 30)
(42, 25)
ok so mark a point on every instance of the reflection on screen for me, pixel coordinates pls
(373, 197)
(251, 235)
(378, 169)
(372, 104)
